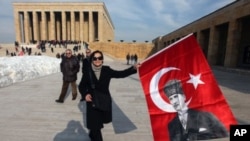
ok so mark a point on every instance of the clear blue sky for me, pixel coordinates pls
(138, 20)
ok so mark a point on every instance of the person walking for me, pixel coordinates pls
(132, 59)
(100, 76)
(85, 66)
(69, 68)
(128, 58)
(86, 61)
(135, 58)
(52, 50)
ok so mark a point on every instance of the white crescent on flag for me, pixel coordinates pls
(154, 91)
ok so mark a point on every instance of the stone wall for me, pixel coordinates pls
(120, 50)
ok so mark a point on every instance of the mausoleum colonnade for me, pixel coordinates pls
(75, 24)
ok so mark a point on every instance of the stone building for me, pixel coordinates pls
(85, 21)
(224, 35)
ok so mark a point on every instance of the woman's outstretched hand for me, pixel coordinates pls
(137, 65)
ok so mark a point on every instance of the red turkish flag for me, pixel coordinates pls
(184, 61)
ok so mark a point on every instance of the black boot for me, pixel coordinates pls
(95, 135)
(59, 101)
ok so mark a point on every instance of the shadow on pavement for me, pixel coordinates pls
(121, 123)
(73, 132)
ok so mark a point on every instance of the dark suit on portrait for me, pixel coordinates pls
(200, 126)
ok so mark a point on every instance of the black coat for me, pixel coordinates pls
(69, 68)
(96, 118)
(85, 65)
(200, 126)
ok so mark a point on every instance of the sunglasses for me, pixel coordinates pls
(99, 58)
(68, 53)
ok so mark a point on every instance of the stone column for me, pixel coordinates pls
(77, 26)
(17, 26)
(232, 51)
(90, 26)
(81, 25)
(52, 26)
(72, 24)
(213, 46)
(100, 26)
(35, 25)
(68, 27)
(26, 27)
(198, 37)
(58, 29)
(64, 25)
(43, 26)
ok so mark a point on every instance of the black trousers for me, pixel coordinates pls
(95, 135)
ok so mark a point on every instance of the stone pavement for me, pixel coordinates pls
(29, 111)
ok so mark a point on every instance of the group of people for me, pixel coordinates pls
(131, 59)
(23, 51)
(60, 43)
(52, 44)
(101, 74)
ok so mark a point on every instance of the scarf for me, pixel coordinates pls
(97, 71)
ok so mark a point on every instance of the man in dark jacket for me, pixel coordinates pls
(69, 68)
(86, 61)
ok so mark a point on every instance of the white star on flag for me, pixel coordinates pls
(195, 80)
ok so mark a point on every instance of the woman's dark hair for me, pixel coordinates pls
(93, 54)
